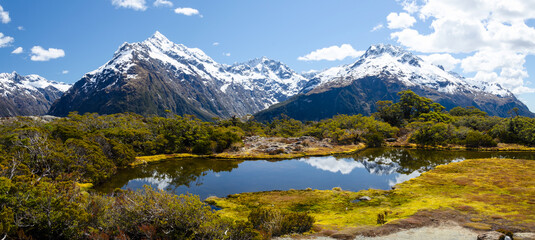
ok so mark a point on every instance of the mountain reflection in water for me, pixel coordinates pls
(371, 168)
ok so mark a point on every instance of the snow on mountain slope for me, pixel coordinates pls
(393, 61)
(279, 78)
(10, 83)
(188, 73)
(378, 75)
(273, 78)
(27, 95)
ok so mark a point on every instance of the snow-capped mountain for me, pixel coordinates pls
(379, 74)
(156, 75)
(27, 95)
(411, 70)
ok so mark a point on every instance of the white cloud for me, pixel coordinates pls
(401, 20)
(409, 5)
(332, 53)
(493, 33)
(20, 28)
(226, 54)
(65, 71)
(215, 43)
(41, 54)
(378, 27)
(18, 50)
(5, 40)
(4, 15)
(187, 11)
(163, 3)
(138, 5)
(452, 36)
(490, 60)
(445, 60)
(331, 164)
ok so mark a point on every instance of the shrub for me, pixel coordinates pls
(293, 222)
(243, 230)
(476, 139)
(432, 134)
(140, 213)
(381, 219)
(374, 139)
(274, 222)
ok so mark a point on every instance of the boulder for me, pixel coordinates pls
(490, 236)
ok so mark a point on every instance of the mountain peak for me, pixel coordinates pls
(388, 51)
(159, 36)
(381, 49)
(158, 39)
(256, 61)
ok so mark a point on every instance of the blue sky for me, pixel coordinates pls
(486, 42)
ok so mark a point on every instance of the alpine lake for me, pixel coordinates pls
(379, 168)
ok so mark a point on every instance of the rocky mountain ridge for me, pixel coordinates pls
(379, 74)
(27, 95)
(157, 76)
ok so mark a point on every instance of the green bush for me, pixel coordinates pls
(467, 111)
(476, 139)
(374, 139)
(293, 222)
(432, 134)
(274, 222)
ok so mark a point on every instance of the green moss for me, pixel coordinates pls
(484, 187)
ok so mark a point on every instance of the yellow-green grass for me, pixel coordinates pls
(157, 158)
(502, 147)
(84, 186)
(497, 188)
(322, 151)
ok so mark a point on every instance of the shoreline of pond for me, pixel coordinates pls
(335, 150)
(316, 152)
(470, 192)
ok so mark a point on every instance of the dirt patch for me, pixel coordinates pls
(421, 219)
(436, 225)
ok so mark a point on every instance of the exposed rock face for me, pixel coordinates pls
(30, 95)
(380, 74)
(159, 77)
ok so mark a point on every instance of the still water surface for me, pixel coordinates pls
(371, 168)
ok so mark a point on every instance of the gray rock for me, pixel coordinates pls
(490, 236)
(365, 198)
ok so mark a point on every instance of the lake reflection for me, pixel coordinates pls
(372, 168)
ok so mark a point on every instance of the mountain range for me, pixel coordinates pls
(379, 74)
(27, 95)
(159, 77)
